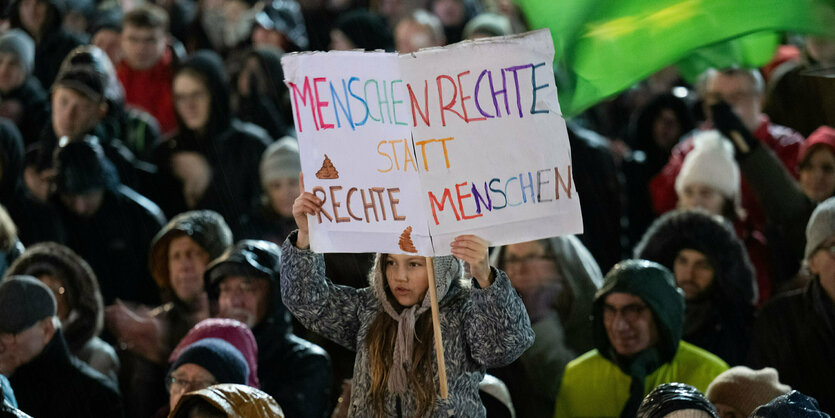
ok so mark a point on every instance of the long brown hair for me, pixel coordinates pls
(381, 340)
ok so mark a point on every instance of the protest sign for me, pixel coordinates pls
(409, 151)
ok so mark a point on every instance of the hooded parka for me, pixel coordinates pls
(603, 383)
(720, 320)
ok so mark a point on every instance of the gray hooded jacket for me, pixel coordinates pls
(481, 327)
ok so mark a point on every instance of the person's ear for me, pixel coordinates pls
(48, 328)
(102, 110)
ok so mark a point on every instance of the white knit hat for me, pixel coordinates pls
(711, 162)
(280, 160)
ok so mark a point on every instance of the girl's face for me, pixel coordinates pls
(192, 100)
(698, 195)
(817, 174)
(407, 278)
(282, 194)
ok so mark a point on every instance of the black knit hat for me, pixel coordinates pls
(83, 80)
(251, 258)
(24, 300)
(670, 397)
(82, 167)
(218, 357)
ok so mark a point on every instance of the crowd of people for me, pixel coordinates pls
(155, 256)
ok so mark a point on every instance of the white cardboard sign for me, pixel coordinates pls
(409, 151)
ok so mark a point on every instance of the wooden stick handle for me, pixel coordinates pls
(436, 323)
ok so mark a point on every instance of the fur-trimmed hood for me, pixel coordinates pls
(710, 235)
(84, 300)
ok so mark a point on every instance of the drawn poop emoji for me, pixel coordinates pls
(328, 171)
(405, 242)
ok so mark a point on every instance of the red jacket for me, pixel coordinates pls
(150, 90)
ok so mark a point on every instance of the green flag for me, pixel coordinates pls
(605, 46)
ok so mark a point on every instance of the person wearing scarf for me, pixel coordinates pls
(389, 323)
(637, 323)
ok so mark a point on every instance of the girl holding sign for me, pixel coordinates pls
(388, 324)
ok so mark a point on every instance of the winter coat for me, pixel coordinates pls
(138, 130)
(84, 325)
(594, 386)
(232, 149)
(35, 221)
(596, 181)
(721, 321)
(785, 205)
(600, 383)
(233, 400)
(28, 107)
(115, 242)
(293, 371)
(534, 379)
(794, 333)
(482, 327)
(54, 44)
(56, 384)
(150, 90)
(267, 108)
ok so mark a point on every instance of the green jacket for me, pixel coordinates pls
(593, 386)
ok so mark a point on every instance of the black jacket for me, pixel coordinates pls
(232, 149)
(596, 179)
(794, 334)
(115, 241)
(56, 384)
(33, 111)
(35, 221)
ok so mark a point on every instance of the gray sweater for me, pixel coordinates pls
(482, 328)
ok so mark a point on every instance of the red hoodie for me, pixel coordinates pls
(150, 90)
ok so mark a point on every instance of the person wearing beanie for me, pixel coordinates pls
(486, 25)
(179, 254)
(230, 330)
(228, 401)
(22, 98)
(676, 399)
(244, 281)
(106, 223)
(793, 404)
(42, 20)
(794, 332)
(80, 307)
(132, 126)
(211, 161)
(712, 268)
(637, 323)
(738, 391)
(48, 380)
(816, 161)
(279, 174)
(709, 179)
(206, 362)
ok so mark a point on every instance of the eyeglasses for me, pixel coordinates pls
(630, 313)
(175, 384)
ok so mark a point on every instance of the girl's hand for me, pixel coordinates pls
(473, 251)
(305, 204)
